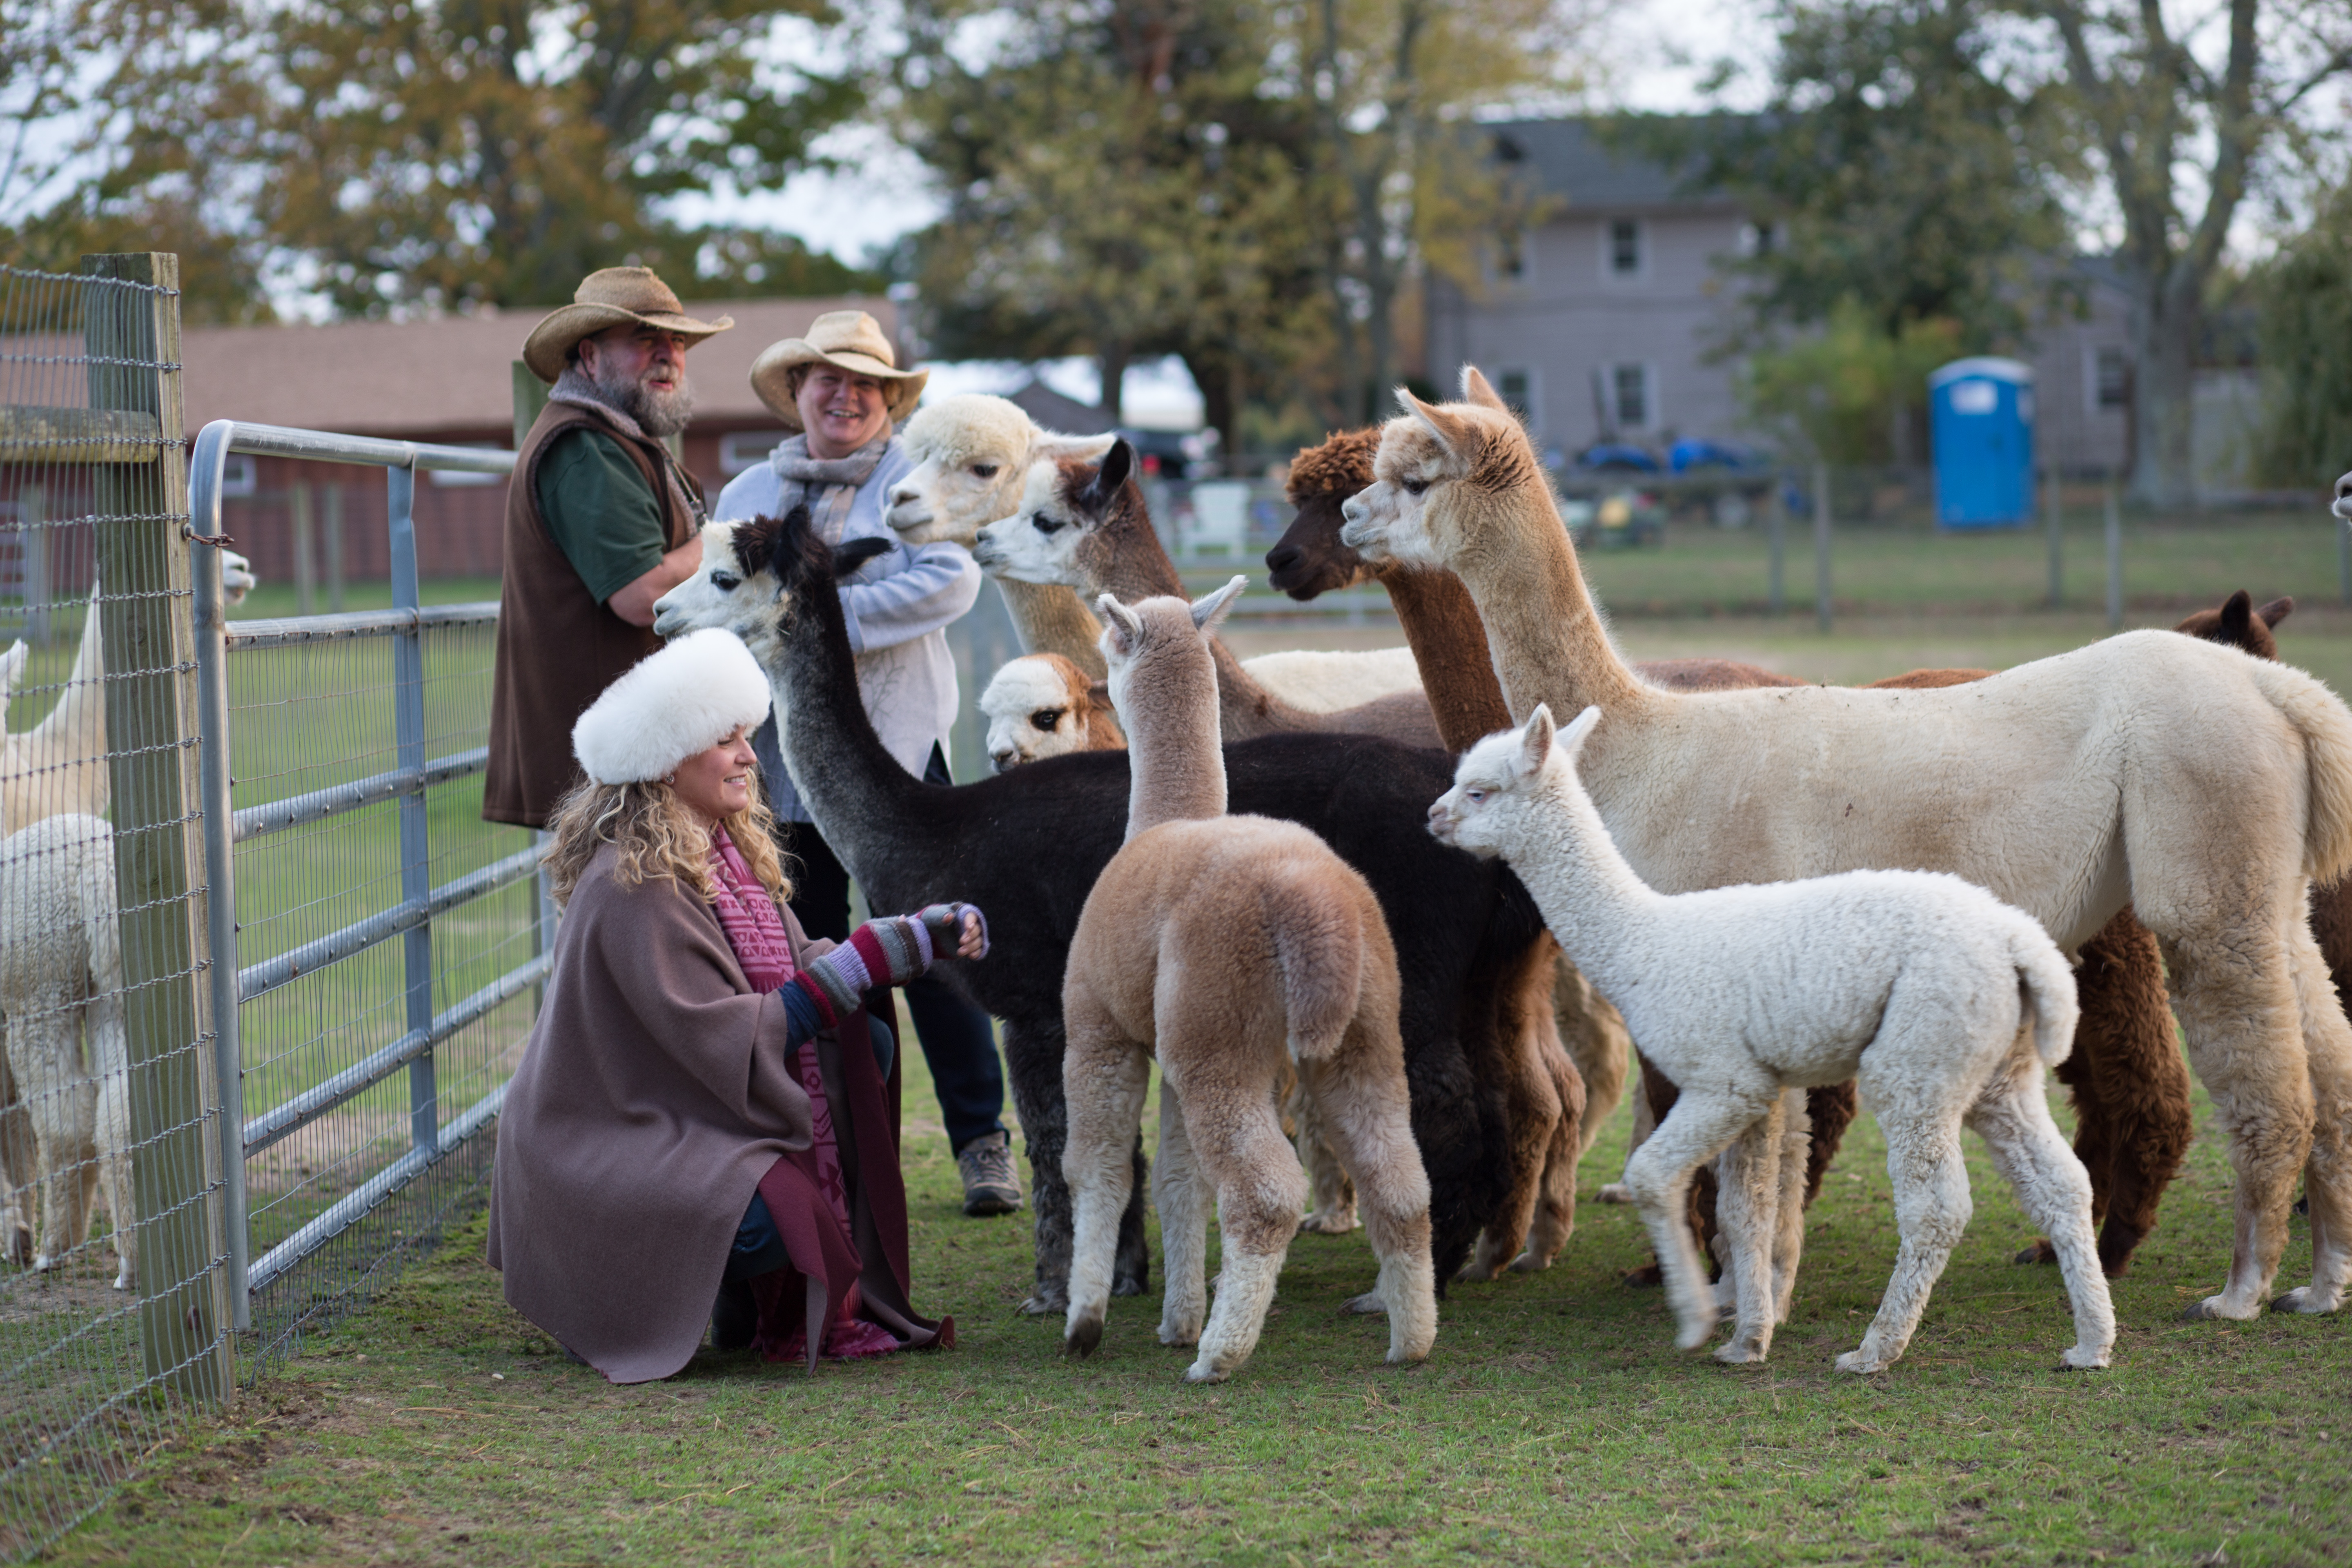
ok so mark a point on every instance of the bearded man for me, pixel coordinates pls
(601, 521)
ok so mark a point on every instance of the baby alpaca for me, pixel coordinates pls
(1944, 1003)
(1041, 705)
(60, 974)
(1232, 947)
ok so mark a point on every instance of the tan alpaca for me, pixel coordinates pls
(1232, 947)
(2207, 787)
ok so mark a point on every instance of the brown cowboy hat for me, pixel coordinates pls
(611, 297)
(847, 340)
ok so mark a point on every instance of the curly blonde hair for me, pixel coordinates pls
(657, 835)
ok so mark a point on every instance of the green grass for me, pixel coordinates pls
(1554, 1423)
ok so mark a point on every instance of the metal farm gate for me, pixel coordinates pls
(264, 970)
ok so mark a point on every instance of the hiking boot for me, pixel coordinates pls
(734, 1317)
(989, 1185)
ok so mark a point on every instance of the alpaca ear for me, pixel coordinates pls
(1475, 390)
(2237, 610)
(1535, 740)
(857, 553)
(2277, 611)
(1099, 696)
(1451, 431)
(1054, 448)
(1207, 612)
(1116, 465)
(1571, 740)
(797, 548)
(1122, 627)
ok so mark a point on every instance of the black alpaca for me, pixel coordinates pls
(1027, 846)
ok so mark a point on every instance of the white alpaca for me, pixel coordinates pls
(1041, 705)
(60, 976)
(2204, 786)
(1943, 1003)
(972, 454)
(1234, 950)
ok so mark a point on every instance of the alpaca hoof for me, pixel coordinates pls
(2219, 1307)
(1130, 1285)
(20, 1248)
(1692, 1334)
(124, 1282)
(2038, 1251)
(1368, 1305)
(1203, 1371)
(2309, 1300)
(1043, 1303)
(1529, 1262)
(1180, 1336)
(42, 1262)
(1083, 1335)
(1852, 1362)
(1648, 1276)
(1476, 1273)
(1736, 1354)
(1615, 1192)
(1329, 1222)
(2075, 1358)
(1407, 1357)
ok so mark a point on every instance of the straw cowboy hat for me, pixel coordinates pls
(847, 340)
(611, 297)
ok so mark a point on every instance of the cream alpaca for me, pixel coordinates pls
(2208, 787)
(1944, 1003)
(1232, 947)
(1041, 705)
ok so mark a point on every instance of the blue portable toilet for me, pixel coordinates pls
(1980, 418)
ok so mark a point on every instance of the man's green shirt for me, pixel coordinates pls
(599, 509)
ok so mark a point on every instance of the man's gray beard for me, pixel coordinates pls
(657, 414)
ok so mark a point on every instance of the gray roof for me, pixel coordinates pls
(1568, 159)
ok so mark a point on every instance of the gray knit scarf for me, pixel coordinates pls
(575, 389)
(829, 485)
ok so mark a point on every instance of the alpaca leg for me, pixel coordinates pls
(1789, 1237)
(1260, 1190)
(1555, 1216)
(1372, 1119)
(1829, 1109)
(1748, 1188)
(2237, 998)
(1333, 1193)
(1659, 1175)
(2327, 1178)
(1182, 1194)
(17, 1157)
(1593, 1034)
(1104, 1078)
(45, 1045)
(1033, 1060)
(1535, 1114)
(1645, 1121)
(110, 1053)
(2054, 1190)
(1931, 1211)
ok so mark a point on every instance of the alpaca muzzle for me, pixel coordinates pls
(2343, 506)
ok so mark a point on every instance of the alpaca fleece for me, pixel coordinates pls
(2210, 786)
(1941, 1002)
(1042, 705)
(1027, 846)
(1238, 952)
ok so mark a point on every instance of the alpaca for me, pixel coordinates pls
(1942, 1001)
(1041, 705)
(59, 764)
(60, 976)
(972, 454)
(2208, 787)
(1083, 525)
(1027, 845)
(1236, 951)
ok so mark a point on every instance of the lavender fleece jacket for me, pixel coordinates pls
(897, 608)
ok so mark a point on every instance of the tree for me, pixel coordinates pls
(2305, 298)
(1841, 395)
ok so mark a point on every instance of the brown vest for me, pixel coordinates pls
(558, 648)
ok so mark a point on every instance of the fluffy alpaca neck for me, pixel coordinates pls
(867, 808)
(1051, 618)
(1449, 643)
(1605, 916)
(1543, 632)
(1176, 758)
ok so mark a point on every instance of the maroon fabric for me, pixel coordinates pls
(748, 915)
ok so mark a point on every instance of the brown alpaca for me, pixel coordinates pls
(1235, 949)
(1084, 525)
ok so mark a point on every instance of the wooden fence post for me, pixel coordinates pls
(132, 339)
(1822, 544)
(2053, 513)
(2115, 559)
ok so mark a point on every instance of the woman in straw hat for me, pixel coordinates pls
(841, 392)
(687, 1124)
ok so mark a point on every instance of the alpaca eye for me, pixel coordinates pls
(1047, 717)
(725, 582)
(1414, 487)
(1475, 796)
(1044, 524)
(984, 470)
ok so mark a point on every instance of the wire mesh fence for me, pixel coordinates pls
(114, 1310)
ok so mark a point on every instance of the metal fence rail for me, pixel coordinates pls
(112, 1332)
(388, 943)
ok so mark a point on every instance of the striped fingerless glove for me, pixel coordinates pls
(888, 952)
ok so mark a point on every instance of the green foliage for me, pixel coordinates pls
(1841, 395)
(2304, 300)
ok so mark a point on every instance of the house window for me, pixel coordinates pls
(1518, 389)
(1511, 257)
(1758, 239)
(1629, 396)
(238, 475)
(1624, 248)
(2111, 379)
(741, 450)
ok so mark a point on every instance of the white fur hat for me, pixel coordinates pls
(684, 698)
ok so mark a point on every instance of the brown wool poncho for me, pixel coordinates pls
(653, 1097)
